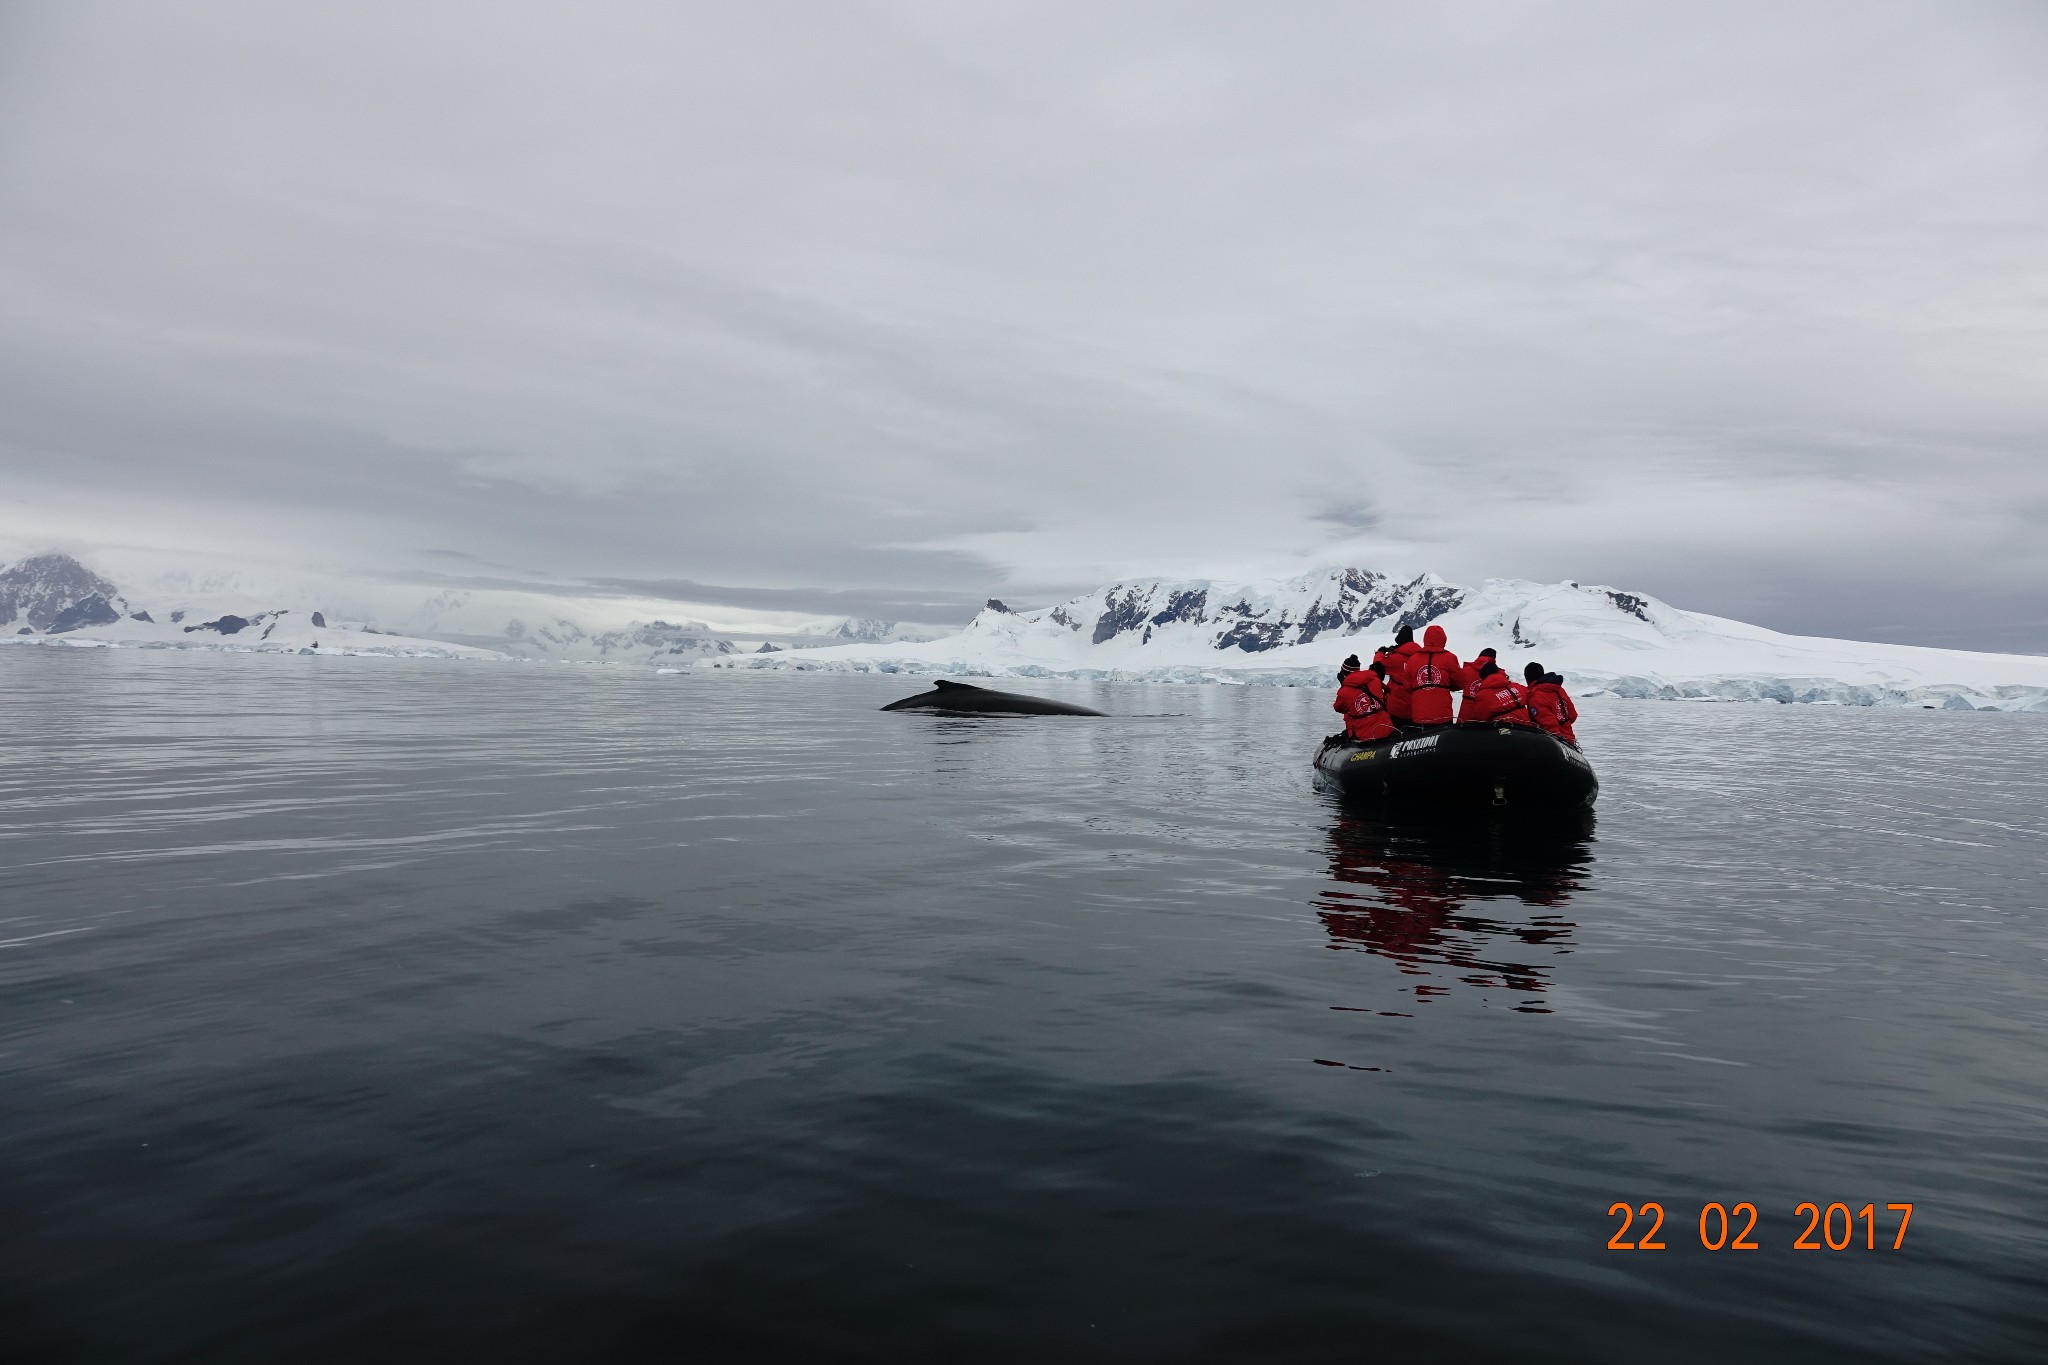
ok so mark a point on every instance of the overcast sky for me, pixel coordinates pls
(899, 305)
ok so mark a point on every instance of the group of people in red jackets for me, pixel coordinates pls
(1408, 685)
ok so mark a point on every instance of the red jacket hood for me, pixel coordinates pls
(1433, 638)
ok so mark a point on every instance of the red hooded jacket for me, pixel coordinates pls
(1348, 692)
(1469, 674)
(1432, 675)
(1470, 709)
(1397, 661)
(1363, 701)
(1552, 707)
(1495, 699)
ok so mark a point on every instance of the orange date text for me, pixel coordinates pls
(1733, 1227)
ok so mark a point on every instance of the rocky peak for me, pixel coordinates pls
(1261, 617)
(42, 588)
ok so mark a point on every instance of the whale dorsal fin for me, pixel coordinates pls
(942, 683)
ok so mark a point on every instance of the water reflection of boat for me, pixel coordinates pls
(1411, 890)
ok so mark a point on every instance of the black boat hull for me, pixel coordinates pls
(1511, 766)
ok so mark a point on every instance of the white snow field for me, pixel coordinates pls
(1294, 632)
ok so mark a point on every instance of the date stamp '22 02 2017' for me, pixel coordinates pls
(1722, 1227)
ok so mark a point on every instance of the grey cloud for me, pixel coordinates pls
(1352, 517)
(913, 303)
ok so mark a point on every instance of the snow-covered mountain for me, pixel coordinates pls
(1290, 632)
(54, 599)
(1250, 618)
(1295, 631)
(118, 601)
(95, 613)
(56, 593)
(855, 630)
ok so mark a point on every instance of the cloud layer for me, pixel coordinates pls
(1745, 306)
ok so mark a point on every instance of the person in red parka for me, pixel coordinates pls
(1366, 718)
(1550, 704)
(1469, 674)
(1471, 710)
(1396, 660)
(1493, 698)
(1347, 690)
(1432, 678)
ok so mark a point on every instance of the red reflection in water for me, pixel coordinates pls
(1409, 892)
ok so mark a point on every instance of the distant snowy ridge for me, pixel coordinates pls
(1286, 632)
(54, 599)
(855, 630)
(1293, 632)
(649, 642)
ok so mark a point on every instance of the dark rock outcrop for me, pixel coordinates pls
(1127, 613)
(1253, 636)
(1353, 599)
(1630, 603)
(1182, 606)
(90, 611)
(1429, 604)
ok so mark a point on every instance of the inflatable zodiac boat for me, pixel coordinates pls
(1464, 765)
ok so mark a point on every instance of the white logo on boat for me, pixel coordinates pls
(1413, 746)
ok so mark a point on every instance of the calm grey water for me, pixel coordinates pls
(361, 1009)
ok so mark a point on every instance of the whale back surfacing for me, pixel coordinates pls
(964, 698)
